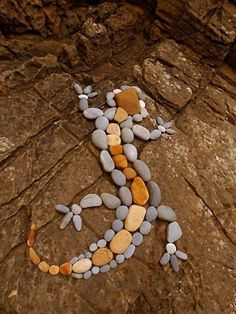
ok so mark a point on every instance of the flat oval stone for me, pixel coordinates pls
(128, 123)
(120, 115)
(87, 275)
(113, 140)
(121, 241)
(120, 258)
(66, 269)
(93, 113)
(107, 161)
(83, 96)
(174, 232)
(120, 161)
(165, 259)
(54, 270)
(34, 256)
(62, 209)
(77, 276)
(117, 225)
(174, 263)
(102, 243)
(160, 121)
(88, 89)
(161, 128)
(170, 131)
(99, 139)
(118, 177)
(83, 104)
(77, 222)
(139, 191)
(93, 247)
(168, 125)
(111, 102)
(95, 270)
(125, 196)
(105, 268)
(109, 234)
(135, 217)
(151, 214)
(43, 266)
(141, 132)
(130, 251)
(130, 152)
(91, 200)
(127, 135)
(154, 194)
(145, 227)
(66, 220)
(142, 103)
(166, 213)
(78, 88)
(129, 173)
(122, 212)
(113, 264)
(101, 123)
(142, 169)
(82, 265)
(144, 113)
(170, 248)
(110, 200)
(181, 255)
(113, 129)
(137, 117)
(102, 257)
(76, 209)
(110, 95)
(88, 255)
(91, 95)
(137, 239)
(110, 113)
(155, 134)
(74, 260)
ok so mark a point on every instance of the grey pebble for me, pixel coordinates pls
(109, 234)
(78, 88)
(166, 213)
(127, 135)
(62, 209)
(93, 113)
(170, 131)
(142, 169)
(87, 275)
(91, 95)
(120, 258)
(111, 102)
(122, 212)
(101, 243)
(118, 177)
(113, 264)
(66, 220)
(95, 270)
(181, 255)
(141, 96)
(141, 132)
(155, 134)
(74, 260)
(174, 263)
(88, 89)
(151, 214)
(99, 139)
(124, 87)
(137, 239)
(110, 95)
(130, 152)
(110, 113)
(128, 123)
(168, 125)
(137, 117)
(81, 256)
(130, 251)
(88, 254)
(144, 113)
(77, 276)
(105, 268)
(101, 123)
(125, 196)
(76, 209)
(83, 104)
(77, 222)
(145, 227)
(160, 121)
(106, 160)
(93, 247)
(117, 225)
(110, 201)
(91, 200)
(138, 90)
(154, 193)
(165, 259)
(174, 232)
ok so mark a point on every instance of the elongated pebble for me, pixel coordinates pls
(82, 265)
(54, 270)
(137, 239)
(74, 260)
(81, 256)
(91, 200)
(117, 225)
(170, 248)
(110, 95)
(174, 232)
(144, 113)
(93, 247)
(154, 194)
(113, 264)
(111, 102)
(122, 212)
(105, 268)
(135, 217)
(165, 259)
(142, 103)
(95, 270)
(109, 234)
(170, 131)
(92, 113)
(130, 152)
(137, 117)
(142, 169)
(77, 220)
(87, 275)
(127, 135)
(125, 196)
(121, 241)
(128, 123)
(101, 243)
(155, 134)
(130, 251)
(77, 276)
(117, 90)
(88, 255)
(76, 209)
(168, 125)
(78, 88)
(118, 177)
(124, 87)
(110, 201)
(151, 214)
(83, 104)
(174, 263)
(145, 228)
(160, 121)
(99, 139)
(141, 132)
(101, 123)
(107, 161)
(161, 128)
(110, 113)
(120, 258)
(91, 95)
(66, 220)
(181, 255)
(62, 209)
(88, 89)
(166, 213)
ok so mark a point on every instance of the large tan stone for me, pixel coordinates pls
(82, 266)
(102, 256)
(135, 217)
(121, 241)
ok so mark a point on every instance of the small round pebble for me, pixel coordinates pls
(105, 268)
(128, 123)
(93, 247)
(95, 270)
(88, 254)
(76, 209)
(87, 275)
(144, 113)
(117, 225)
(181, 255)
(125, 196)
(109, 234)
(77, 276)
(101, 123)
(83, 104)
(62, 209)
(160, 121)
(137, 117)
(170, 248)
(145, 227)
(130, 251)
(127, 135)
(155, 134)
(141, 96)
(120, 258)
(165, 259)
(102, 243)
(110, 113)
(111, 102)
(118, 177)
(151, 214)
(161, 128)
(113, 264)
(66, 220)
(88, 89)
(81, 256)
(137, 239)
(110, 201)
(110, 95)
(122, 212)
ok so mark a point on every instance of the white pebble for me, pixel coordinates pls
(117, 90)
(142, 104)
(161, 128)
(170, 248)
(83, 96)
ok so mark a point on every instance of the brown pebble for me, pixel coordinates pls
(54, 270)
(139, 191)
(128, 100)
(121, 241)
(130, 173)
(34, 256)
(113, 129)
(66, 269)
(121, 115)
(116, 149)
(120, 161)
(43, 266)
(102, 257)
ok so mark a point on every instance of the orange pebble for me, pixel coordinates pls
(66, 269)
(129, 173)
(43, 266)
(31, 235)
(54, 270)
(120, 161)
(34, 256)
(116, 149)
(139, 191)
